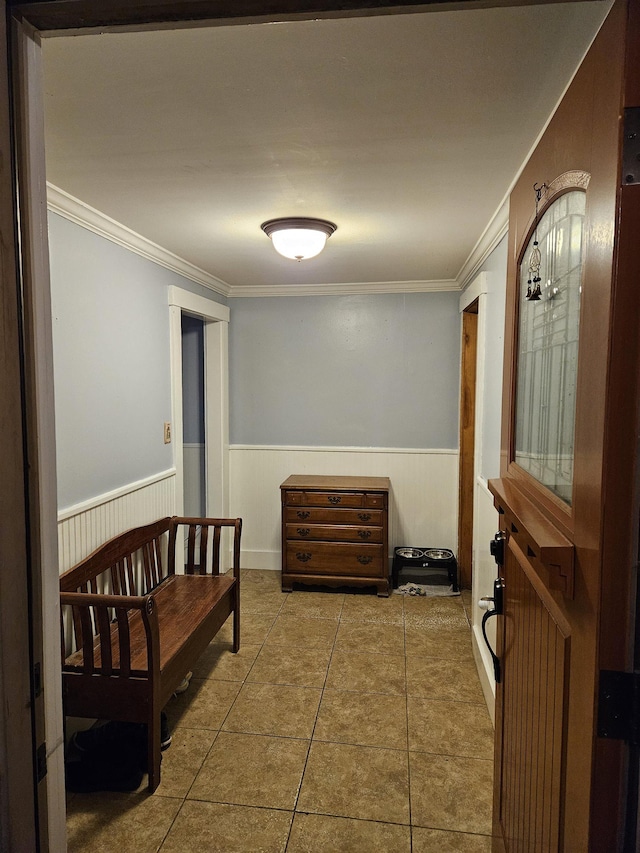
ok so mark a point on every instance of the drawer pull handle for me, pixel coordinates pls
(302, 515)
(304, 558)
(303, 531)
(334, 499)
(364, 534)
(364, 561)
(364, 516)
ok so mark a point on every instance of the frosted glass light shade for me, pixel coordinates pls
(298, 243)
(300, 238)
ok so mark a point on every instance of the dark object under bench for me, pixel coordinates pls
(132, 627)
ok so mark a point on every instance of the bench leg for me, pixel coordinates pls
(153, 751)
(236, 620)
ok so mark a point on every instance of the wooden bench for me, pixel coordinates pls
(133, 625)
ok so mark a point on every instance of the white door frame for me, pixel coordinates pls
(41, 450)
(216, 396)
(478, 291)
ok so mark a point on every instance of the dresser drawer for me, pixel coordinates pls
(335, 559)
(316, 515)
(371, 500)
(346, 499)
(332, 533)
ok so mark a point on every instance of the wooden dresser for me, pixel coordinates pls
(335, 531)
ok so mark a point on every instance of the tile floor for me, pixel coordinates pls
(346, 722)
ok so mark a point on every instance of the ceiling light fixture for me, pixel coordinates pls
(298, 238)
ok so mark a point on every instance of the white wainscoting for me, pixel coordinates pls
(85, 526)
(485, 524)
(424, 492)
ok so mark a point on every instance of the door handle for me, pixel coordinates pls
(494, 606)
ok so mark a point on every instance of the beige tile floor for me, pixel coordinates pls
(346, 722)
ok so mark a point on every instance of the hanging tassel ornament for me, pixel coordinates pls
(535, 259)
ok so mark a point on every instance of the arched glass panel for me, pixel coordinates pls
(548, 348)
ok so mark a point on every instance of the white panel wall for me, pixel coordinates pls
(84, 527)
(424, 496)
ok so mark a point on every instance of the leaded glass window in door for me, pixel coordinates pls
(547, 353)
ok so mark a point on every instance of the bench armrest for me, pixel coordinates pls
(88, 599)
(102, 626)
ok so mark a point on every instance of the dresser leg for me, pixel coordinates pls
(383, 589)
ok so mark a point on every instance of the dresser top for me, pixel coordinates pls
(308, 481)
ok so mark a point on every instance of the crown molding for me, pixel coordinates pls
(345, 288)
(71, 208)
(489, 239)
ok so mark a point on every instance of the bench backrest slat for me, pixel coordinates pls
(104, 630)
(157, 552)
(86, 636)
(147, 564)
(124, 642)
(216, 551)
(204, 538)
(77, 629)
(117, 578)
(191, 550)
(130, 574)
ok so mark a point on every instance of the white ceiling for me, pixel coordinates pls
(407, 131)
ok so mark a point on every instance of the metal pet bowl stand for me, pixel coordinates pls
(425, 565)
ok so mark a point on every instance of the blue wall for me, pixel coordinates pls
(111, 362)
(369, 371)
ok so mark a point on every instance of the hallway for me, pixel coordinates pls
(345, 723)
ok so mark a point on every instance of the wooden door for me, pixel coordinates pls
(567, 490)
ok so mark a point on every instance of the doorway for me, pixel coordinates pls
(193, 421)
(206, 465)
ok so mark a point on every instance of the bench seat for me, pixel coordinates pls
(185, 604)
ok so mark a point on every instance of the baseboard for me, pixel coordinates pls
(485, 670)
(267, 560)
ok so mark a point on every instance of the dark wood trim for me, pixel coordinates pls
(548, 551)
(17, 792)
(53, 15)
(621, 484)
(466, 468)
